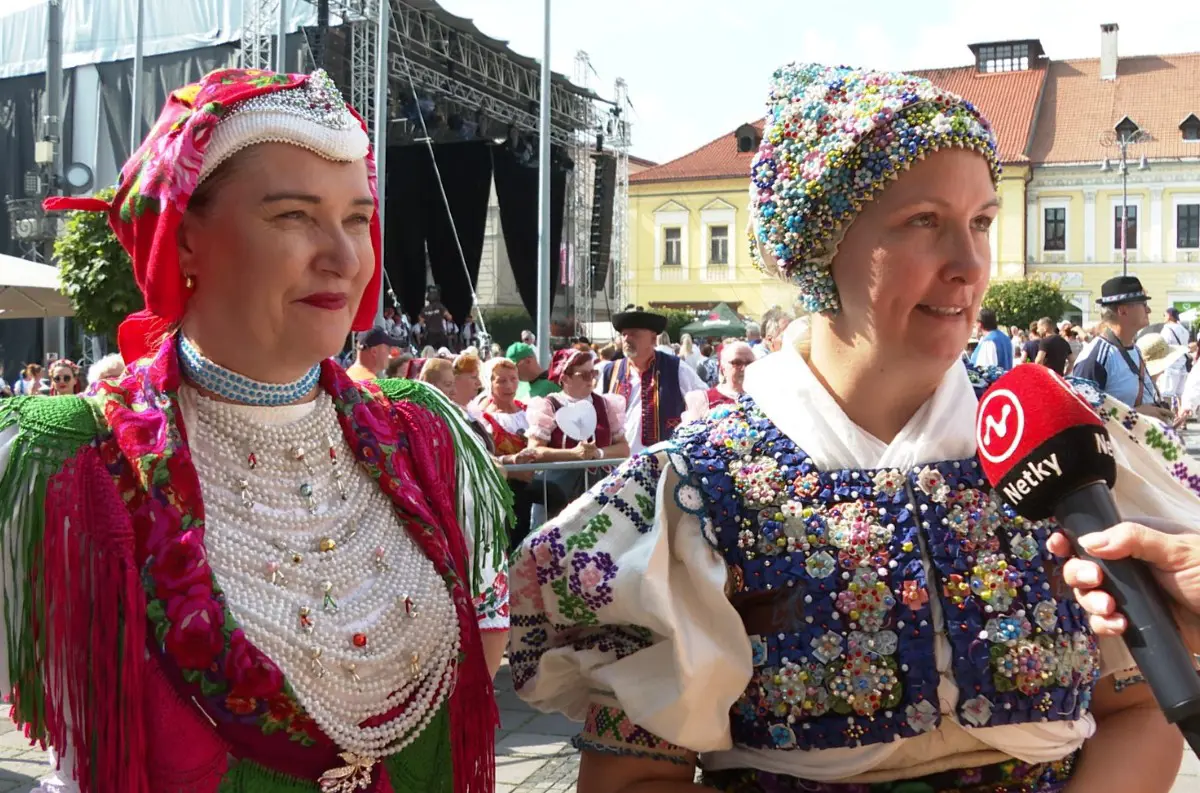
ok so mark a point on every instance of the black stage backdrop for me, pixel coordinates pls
(406, 207)
(417, 220)
(517, 192)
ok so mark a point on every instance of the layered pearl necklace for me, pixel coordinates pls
(321, 575)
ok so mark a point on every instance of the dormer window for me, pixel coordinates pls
(748, 137)
(1007, 56)
(1126, 128)
(1190, 127)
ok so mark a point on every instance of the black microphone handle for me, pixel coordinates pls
(1152, 635)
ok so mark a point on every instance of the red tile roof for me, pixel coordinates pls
(1156, 91)
(1008, 99)
(717, 160)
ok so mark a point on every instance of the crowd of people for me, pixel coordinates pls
(237, 564)
(592, 401)
(1149, 367)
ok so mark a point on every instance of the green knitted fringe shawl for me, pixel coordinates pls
(49, 431)
(484, 500)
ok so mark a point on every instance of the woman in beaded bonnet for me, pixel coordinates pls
(231, 567)
(813, 589)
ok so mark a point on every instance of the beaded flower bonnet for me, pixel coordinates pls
(833, 138)
(201, 126)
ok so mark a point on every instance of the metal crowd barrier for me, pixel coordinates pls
(565, 465)
(539, 511)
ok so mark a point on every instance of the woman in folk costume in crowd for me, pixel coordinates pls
(734, 357)
(814, 589)
(603, 414)
(232, 567)
(652, 382)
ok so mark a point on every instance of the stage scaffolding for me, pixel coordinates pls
(468, 74)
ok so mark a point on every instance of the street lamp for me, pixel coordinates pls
(1125, 135)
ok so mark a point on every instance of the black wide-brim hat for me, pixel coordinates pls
(1122, 289)
(639, 319)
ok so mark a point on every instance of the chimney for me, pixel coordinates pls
(1108, 51)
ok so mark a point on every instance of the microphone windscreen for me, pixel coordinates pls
(1039, 440)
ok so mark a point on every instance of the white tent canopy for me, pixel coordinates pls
(100, 31)
(29, 290)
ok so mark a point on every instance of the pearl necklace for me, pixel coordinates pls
(361, 625)
(228, 384)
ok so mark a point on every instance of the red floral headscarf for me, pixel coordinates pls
(157, 183)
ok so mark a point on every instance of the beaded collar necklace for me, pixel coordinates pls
(230, 385)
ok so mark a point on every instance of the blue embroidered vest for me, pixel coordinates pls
(844, 550)
(661, 410)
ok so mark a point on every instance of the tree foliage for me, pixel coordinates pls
(677, 319)
(1021, 302)
(96, 274)
(504, 325)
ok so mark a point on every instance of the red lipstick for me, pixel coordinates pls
(330, 301)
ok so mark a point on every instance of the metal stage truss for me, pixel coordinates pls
(470, 75)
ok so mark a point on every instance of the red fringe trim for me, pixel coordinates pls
(95, 637)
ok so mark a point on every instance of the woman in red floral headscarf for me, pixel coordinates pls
(232, 567)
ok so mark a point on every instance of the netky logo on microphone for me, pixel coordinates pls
(999, 427)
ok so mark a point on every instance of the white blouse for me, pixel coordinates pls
(670, 580)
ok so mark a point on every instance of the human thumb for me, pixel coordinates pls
(1164, 551)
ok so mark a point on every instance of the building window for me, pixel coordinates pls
(1187, 226)
(718, 244)
(1127, 128)
(1055, 236)
(1003, 57)
(1130, 228)
(1191, 128)
(673, 246)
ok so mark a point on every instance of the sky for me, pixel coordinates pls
(697, 69)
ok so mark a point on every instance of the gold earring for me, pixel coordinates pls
(189, 282)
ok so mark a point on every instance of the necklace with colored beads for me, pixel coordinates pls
(228, 384)
(370, 624)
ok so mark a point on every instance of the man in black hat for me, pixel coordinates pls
(1111, 360)
(652, 381)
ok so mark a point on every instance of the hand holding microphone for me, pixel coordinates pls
(1174, 558)
(1046, 453)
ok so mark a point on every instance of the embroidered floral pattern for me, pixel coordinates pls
(846, 547)
(888, 482)
(759, 480)
(933, 484)
(922, 716)
(866, 601)
(974, 517)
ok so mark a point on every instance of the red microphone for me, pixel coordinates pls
(1046, 453)
(1038, 438)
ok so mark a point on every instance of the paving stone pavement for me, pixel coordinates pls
(533, 750)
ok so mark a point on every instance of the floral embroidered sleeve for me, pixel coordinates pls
(620, 616)
(1156, 476)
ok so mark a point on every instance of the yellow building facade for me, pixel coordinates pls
(1161, 245)
(1059, 125)
(688, 248)
(688, 244)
